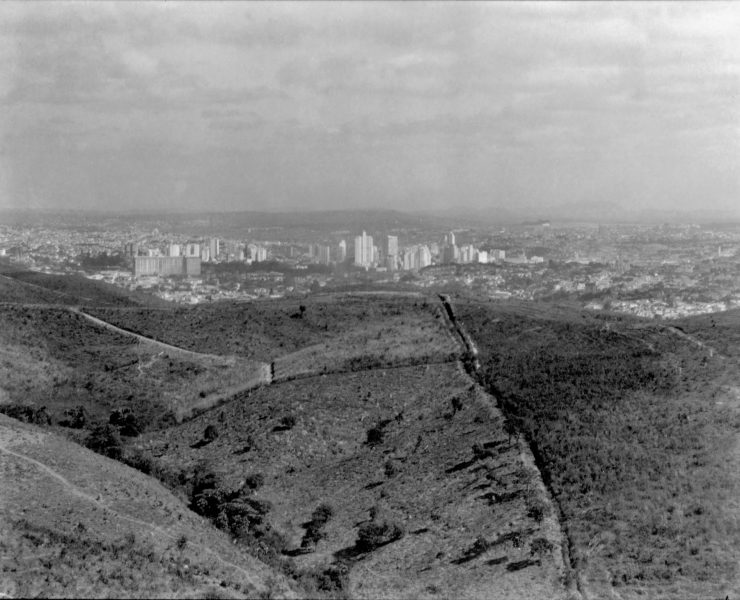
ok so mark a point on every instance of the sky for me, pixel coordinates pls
(348, 105)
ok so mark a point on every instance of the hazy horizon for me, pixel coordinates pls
(192, 106)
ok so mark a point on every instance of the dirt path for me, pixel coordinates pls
(142, 338)
(76, 491)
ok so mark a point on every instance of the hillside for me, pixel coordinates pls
(266, 330)
(58, 358)
(76, 524)
(635, 428)
(395, 445)
(30, 287)
(421, 448)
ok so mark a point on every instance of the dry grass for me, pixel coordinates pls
(436, 490)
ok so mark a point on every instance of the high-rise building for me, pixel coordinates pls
(192, 249)
(324, 255)
(214, 247)
(167, 266)
(391, 246)
(364, 255)
(174, 250)
(342, 251)
(424, 257)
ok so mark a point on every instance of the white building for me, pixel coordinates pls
(364, 254)
(342, 251)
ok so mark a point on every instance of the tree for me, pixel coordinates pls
(511, 429)
(540, 547)
(105, 440)
(210, 433)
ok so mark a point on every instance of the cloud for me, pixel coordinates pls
(368, 101)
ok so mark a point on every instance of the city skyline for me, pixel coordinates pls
(428, 106)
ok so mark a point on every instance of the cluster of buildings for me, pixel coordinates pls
(185, 260)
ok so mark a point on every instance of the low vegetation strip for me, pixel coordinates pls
(631, 442)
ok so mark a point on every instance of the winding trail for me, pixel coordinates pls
(143, 338)
(76, 491)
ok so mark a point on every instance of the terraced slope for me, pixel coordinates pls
(75, 524)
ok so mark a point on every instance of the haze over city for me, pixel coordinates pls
(617, 107)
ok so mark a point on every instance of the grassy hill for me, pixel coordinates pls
(632, 429)
(57, 358)
(266, 330)
(76, 524)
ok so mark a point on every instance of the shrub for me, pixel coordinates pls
(373, 535)
(74, 418)
(537, 509)
(126, 421)
(540, 547)
(105, 440)
(210, 433)
(375, 436)
(254, 481)
(315, 527)
(27, 413)
(390, 468)
(287, 422)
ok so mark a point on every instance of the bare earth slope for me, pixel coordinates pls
(73, 523)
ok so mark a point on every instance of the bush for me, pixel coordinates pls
(75, 418)
(373, 535)
(210, 433)
(126, 421)
(105, 440)
(254, 481)
(375, 436)
(27, 413)
(540, 547)
(537, 510)
(287, 422)
(315, 527)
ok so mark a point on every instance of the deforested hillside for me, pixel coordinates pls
(395, 482)
(76, 524)
(635, 427)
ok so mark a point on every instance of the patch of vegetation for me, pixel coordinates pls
(375, 534)
(27, 413)
(626, 435)
(105, 440)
